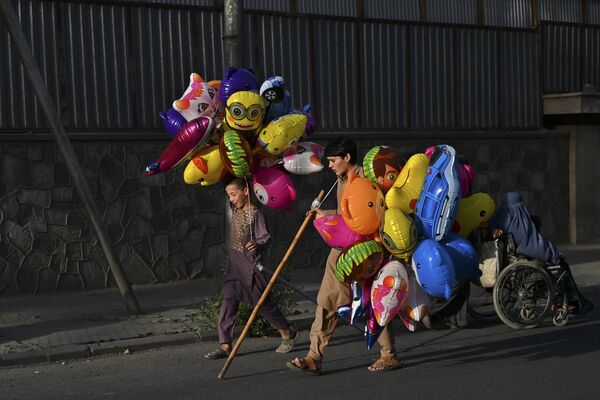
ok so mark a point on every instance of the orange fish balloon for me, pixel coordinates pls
(362, 205)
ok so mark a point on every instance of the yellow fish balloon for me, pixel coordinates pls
(406, 190)
(399, 233)
(473, 212)
(282, 133)
(206, 167)
(245, 111)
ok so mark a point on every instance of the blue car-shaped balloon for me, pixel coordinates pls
(438, 204)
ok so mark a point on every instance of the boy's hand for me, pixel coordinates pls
(251, 247)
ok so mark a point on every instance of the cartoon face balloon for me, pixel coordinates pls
(405, 192)
(362, 205)
(274, 188)
(433, 268)
(235, 153)
(359, 262)
(399, 233)
(304, 158)
(192, 137)
(206, 167)
(200, 99)
(382, 165)
(336, 233)
(282, 133)
(237, 80)
(245, 111)
(388, 291)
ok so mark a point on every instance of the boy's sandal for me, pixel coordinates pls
(305, 364)
(288, 344)
(216, 354)
(386, 364)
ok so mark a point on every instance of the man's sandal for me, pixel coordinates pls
(288, 344)
(216, 354)
(386, 364)
(305, 364)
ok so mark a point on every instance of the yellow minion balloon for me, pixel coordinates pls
(205, 168)
(282, 133)
(407, 187)
(399, 233)
(245, 111)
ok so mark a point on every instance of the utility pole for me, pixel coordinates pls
(233, 25)
(9, 16)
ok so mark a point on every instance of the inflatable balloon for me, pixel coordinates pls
(372, 329)
(236, 80)
(280, 100)
(303, 159)
(417, 305)
(336, 233)
(473, 211)
(382, 165)
(388, 291)
(362, 205)
(464, 256)
(192, 137)
(466, 173)
(437, 206)
(206, 167)
(172, 121)
(399, 233)
(282, 133)
(262, 160)
(433, 268)
(407, 187)
(245, 111)
(359, 262)
(274, 188)
(311, 123)
(200, 100)
(344, 311)
(361, 300)
(235, 153)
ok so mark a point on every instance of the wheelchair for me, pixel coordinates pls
(524, 292)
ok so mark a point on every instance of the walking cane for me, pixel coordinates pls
(262, 299)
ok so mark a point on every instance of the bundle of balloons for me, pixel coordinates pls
(234, 126)
(402, 232)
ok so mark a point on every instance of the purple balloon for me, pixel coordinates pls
(172, 121)
(236, 80)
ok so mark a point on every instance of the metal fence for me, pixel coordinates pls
(114, 65)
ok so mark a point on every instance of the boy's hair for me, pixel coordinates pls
(341, 146)
(232, 180)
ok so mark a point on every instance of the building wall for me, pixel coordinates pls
(165, 230)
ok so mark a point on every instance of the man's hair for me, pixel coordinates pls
(341, 146)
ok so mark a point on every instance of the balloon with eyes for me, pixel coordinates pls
(382, 165)
(205, 168)
(237, 80)
(274, 188)
(362, 205)
(200, 99)
(281, 134)
(244, 113)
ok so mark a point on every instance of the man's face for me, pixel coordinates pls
(339, 165)
(237, 196)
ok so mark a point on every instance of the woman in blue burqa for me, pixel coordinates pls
(512, 216)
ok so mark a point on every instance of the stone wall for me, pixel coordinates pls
(165, 230)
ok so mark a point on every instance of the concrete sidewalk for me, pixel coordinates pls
(62, 326)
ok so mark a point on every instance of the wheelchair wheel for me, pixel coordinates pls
(481, 304)
(522, 294)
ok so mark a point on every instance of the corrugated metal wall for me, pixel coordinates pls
(593, 12)
(559, 10)
(511, 13)
(452, 11)
(115, 66)
(407, 10)
(340, 8)
(267, 5)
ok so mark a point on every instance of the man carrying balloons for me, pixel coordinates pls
(341, 154)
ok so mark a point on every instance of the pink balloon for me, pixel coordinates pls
(336, 233)
(274, 188)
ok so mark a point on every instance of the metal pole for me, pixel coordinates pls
(11, 21)
(233, 24)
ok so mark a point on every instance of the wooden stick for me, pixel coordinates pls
(262, 299)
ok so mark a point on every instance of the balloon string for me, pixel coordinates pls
(316, 204)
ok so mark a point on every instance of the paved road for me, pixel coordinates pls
(487, 361)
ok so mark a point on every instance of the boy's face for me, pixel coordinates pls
(339, 165)
(237, 196)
